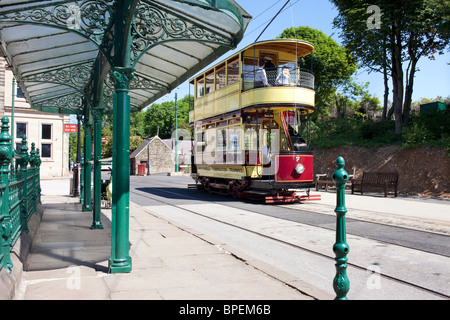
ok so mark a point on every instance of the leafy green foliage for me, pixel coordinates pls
(425, 128)
(332, 64)
(408, 31)
(428, 128)
(354, 132)
(157, 119)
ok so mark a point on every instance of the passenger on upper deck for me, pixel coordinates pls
(271, 70)
(261, 76)
(284, 78)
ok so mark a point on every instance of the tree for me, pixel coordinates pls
(159, 119)
(406, 32)
(332, 63)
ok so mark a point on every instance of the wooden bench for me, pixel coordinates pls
(326, 179)
(384, 180)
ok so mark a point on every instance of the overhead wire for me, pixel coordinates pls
(262, 24)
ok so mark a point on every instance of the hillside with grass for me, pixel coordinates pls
(420, 154)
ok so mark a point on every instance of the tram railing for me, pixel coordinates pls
(20, 191)
(278, 77)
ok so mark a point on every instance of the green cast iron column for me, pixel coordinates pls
(120, 260)
(87, 205)
(96, 222)
(82, 179)
(341, 284)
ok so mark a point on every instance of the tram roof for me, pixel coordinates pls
(293, 46)
(55, 48)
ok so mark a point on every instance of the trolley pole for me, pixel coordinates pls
(341, 284)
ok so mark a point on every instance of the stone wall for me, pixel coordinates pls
(161, 159)
(422, 171)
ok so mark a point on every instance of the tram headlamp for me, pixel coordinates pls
(299, 168)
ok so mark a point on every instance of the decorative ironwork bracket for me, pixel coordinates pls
(153, 25)
(76, 76)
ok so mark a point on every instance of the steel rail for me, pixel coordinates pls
(393, 278)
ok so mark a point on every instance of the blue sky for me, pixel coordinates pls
(431, 81)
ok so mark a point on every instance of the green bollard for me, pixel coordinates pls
(341, 284)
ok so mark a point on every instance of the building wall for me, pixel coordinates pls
(161, 160)
(2, 85)
(55, 166)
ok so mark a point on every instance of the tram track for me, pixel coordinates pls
(396, 279)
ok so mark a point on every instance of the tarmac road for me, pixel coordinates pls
(400, 251)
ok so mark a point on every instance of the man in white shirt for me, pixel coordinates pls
(261, 76)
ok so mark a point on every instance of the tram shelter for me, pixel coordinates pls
(97, 57)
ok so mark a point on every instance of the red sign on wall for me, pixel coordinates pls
(70, 128)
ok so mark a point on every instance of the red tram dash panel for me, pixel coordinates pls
(285, 168)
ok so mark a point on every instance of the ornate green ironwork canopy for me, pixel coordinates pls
(89, 57)
(62, 52)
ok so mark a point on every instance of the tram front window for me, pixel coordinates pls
(295, 131)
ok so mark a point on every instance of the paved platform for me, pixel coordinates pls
(69, 261)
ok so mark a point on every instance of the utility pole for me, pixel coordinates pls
(176, 134)
(13, 142)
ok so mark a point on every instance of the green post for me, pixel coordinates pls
(87, 205)
(32, 183)
(38, 175)
(96, 221)
(123, 72)
(176, 134)
(341, 284)
(82, 179)
(23, 163)
(120, 260)
(6, 153)
(13, 141)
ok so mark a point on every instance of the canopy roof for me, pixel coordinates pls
(59, 51)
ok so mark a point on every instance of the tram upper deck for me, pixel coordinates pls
(239, 83)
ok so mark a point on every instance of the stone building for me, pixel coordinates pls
(46, 130)
(184, 148)
(160, 155)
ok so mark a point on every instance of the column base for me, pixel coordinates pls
(119, 265)
(86, 208)
(96, 225)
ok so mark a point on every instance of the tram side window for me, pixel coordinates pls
(209, 82)
(220, 77)
(200, 141)
(222, 139)
(233, 71)
(249, 67)
(235, 138)
(200, 87)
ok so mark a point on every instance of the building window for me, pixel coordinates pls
(21, 130)
(47, 131)
(46, 150)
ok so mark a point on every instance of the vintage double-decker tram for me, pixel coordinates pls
(251, 119)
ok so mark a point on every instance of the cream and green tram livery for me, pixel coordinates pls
(251, 120)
